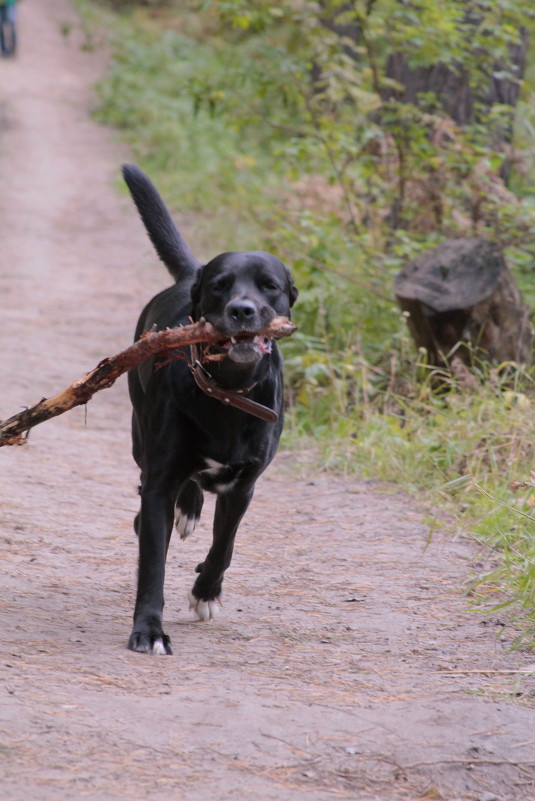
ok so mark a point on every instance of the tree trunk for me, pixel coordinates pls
(458, 98)
(462, 299)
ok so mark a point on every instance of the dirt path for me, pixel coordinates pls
(345, 664)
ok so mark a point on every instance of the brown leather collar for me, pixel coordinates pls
(228, 397)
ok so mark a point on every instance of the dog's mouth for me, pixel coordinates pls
(257, 342)
(242, 347)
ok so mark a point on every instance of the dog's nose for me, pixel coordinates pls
(242, 311)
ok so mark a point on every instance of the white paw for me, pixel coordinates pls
(205, 610)
(184, 524)
(158, 648)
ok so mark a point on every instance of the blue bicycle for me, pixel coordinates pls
(8, 28)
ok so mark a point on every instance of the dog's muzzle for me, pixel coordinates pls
(245, 348)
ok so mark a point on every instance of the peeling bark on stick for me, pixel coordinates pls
(14, 431)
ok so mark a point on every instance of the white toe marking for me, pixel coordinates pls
(158, 648)
(185, 525)
(205, 610)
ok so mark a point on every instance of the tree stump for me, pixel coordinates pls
(461, 299)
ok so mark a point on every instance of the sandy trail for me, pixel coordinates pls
(346, 662)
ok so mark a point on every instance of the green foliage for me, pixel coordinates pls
(281, 125)
(320, 81)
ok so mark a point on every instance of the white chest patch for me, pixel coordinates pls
(217, 477)
(213, 468)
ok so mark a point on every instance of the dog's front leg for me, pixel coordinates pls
(155, 524)
(230, 508)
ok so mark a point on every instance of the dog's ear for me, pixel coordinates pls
(196, 289)
(293, 291)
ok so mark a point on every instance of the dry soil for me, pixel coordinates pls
(346, 663)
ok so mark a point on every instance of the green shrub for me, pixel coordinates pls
(220, 105)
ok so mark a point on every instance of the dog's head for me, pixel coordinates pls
(239, 294)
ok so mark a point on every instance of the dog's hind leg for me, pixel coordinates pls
(230, 508)
(188, 508)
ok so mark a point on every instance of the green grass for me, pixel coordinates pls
(356, 387)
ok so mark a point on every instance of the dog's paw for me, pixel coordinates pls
(205, 610)
(184, 523)
(157, 645)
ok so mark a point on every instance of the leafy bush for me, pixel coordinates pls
(280, 127)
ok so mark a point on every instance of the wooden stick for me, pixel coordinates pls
(14, 431)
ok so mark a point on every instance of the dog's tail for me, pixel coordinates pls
(164, 235)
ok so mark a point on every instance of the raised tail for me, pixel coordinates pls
(164, 235)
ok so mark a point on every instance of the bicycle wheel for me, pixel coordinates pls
(9, 39)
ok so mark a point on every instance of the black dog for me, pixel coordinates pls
(185, 441)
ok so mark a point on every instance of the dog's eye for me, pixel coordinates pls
(222, 284)
(270, 284)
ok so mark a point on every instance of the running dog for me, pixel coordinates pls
(194, 429)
